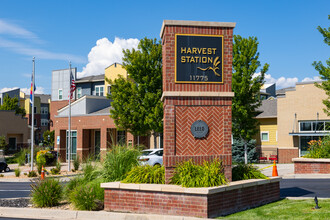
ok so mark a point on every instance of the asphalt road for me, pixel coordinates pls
(289, 188)
(14, 189)
(305, 188)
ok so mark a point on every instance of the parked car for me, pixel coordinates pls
(152, 157)
(3, 165)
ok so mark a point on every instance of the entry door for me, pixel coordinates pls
(97, 143)
(73, 145)
(12, 143)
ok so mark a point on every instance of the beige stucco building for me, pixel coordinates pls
(14, 128)
(288, 122)
(301, 117)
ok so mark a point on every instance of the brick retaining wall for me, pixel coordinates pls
(198, 202)
(311, 166)
(285, 155)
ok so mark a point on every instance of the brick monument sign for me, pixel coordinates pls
(197, 95)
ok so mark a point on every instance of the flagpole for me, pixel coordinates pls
(69, 141)
(32, 110)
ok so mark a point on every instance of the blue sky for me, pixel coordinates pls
(91, 34)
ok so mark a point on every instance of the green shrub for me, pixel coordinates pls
(189, 174)
(55, 171)
(90, 172)
(21, 156)
(71, 185)
(32, 174)
(319, 148)
(46, 193)
(146, 174)
(58, 165)
(118, 162)
(88, 196)
(3, 142)
(245, 172)
(76, 163)
(17, 172)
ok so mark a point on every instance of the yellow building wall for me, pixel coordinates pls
(267, 125)
(305, 101)
(37, 104)
(113, 72)
(267, 147)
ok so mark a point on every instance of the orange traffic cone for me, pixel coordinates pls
(274, 169)
(42, 173)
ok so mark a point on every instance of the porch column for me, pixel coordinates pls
(80, 145)
(103, 147)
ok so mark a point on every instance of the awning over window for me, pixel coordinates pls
(309, 134)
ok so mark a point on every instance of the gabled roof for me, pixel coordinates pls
(97, 78)
(268, 109)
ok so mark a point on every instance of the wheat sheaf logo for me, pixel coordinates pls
(214, 68)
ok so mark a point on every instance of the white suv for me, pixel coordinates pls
(152, 157)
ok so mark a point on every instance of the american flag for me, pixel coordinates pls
(72, 85)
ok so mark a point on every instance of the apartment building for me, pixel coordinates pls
(92, 129)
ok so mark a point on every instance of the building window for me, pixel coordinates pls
(265, 136)
(109, 89)
(121, 137)
(73, 149)
(79, 92)
(99, 90)
(60, 94)
(304, 143)
(35, 110)
(44, 110)
(44, 122)
(320, 126)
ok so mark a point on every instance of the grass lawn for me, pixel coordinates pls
(286, 209)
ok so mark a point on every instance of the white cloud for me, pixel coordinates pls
(39, 90)
(39, 53)
(7, 89)
(315, 78)
(12, 38)
(106, 53)
(284, 82)
(16, 31)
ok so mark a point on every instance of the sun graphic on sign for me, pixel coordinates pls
(214, 68)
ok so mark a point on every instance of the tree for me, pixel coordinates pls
(50, 141)
(246, 88)
(323, 70)
(144, 109)
(127, 109)
(3, 142)
(12, 104)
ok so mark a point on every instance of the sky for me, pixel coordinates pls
(92, 34)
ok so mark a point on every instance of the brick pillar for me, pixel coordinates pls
(197, 71)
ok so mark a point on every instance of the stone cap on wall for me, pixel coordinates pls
(318, 160)
(195, 23)
(179, 189)
(197, 94)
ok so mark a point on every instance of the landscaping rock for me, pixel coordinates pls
(18, 202)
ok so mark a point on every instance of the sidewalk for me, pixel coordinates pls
(286, 171)
(10, 176)
(68, 214)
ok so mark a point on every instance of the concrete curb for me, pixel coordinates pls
(306, 176)
(29, 179)
(69, 214)
(304, 198)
